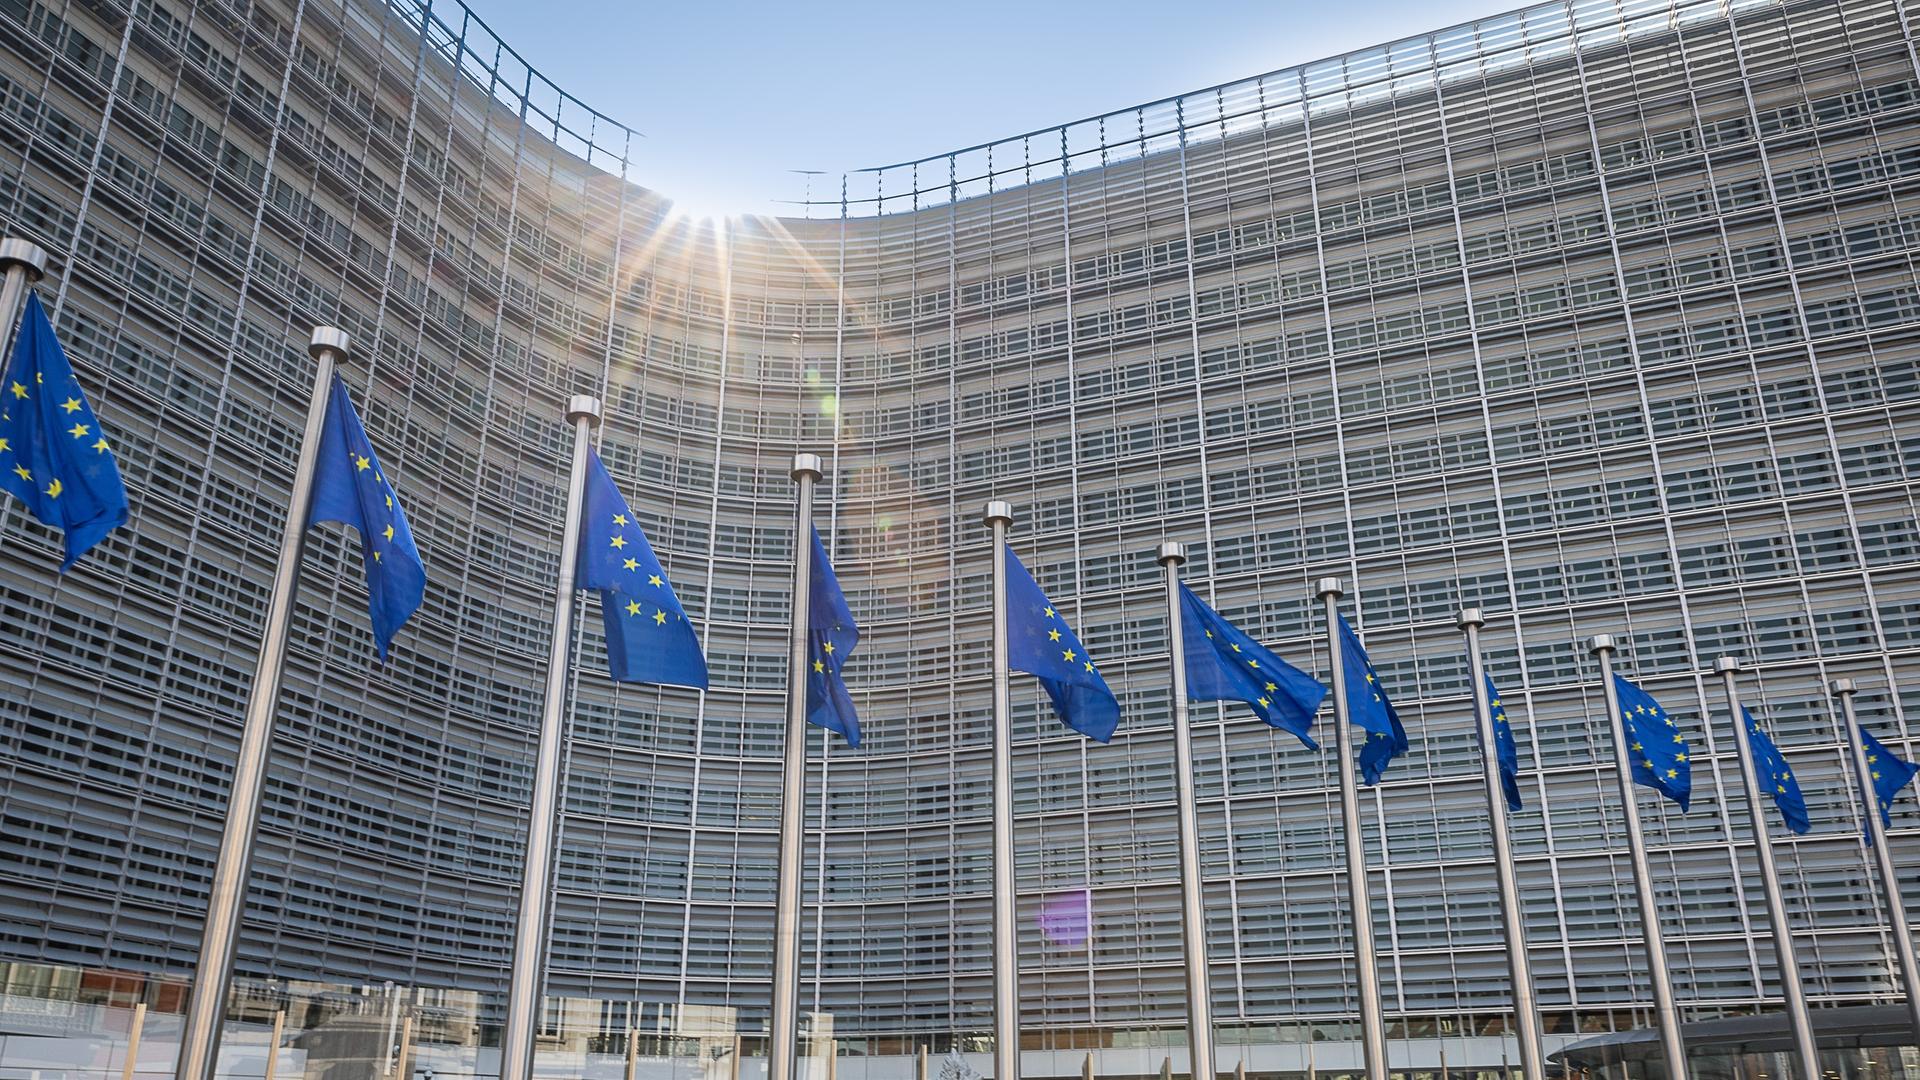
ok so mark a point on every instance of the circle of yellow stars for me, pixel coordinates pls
(634, 608)
(79, 431)
(1640, 748)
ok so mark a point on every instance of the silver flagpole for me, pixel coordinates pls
(1373, 1028)
(784, 1046)
(1526, 1010)
(526, 979)
(226, 898)
(1882, 855)
(1673, 1052)
(1193, 916)
(1796, 996)
(1006, 970)
(23, 261)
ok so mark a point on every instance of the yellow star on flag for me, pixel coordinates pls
(361, 464)
(72, 405)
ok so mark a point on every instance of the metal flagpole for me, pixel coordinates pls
(1882, 855)
(1373, 1030)
(1193, 917)
(226, 897)
(1796, 995)
(784, 1047)
(526, 979)
(1673, 1052)
(23, 262)
(1526, 1010)
(1006, 971)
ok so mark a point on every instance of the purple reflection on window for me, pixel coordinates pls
(1067, 918)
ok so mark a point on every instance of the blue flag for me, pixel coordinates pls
(1368, 707)
(831, 635)
(1654, 743)
(1040, 643)
(1888, 773)
(1775, 776)
(1224, 664)
(53, 455)
(1504, 749)
(648, 636)
(348, 487)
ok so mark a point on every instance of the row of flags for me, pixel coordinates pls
(56, 459)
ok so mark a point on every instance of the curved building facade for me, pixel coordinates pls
(1599, 316)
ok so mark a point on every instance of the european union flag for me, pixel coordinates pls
(1505, 752)
(831, 635)
(1040, 643)
(1224, 664)
(53, 453)
(1368, 707)
(348, 487)
(1654, 742)
(1774, 775)
(1888, 773)
(648, 636)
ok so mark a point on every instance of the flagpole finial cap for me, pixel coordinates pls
(806, 465)
(1328, 586)
(24, 252)
(1723, 665)
(583, 407)
(999, 511)
(1600, 643)
(1171, 552)
(1470, 616)
(329, 339)
(1842, 687)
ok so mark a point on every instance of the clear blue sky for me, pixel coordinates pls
(733, 95)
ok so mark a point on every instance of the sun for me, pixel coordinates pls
(695, 210)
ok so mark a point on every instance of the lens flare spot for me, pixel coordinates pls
(1066, 919)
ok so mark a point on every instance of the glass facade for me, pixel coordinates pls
(1599, 316)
